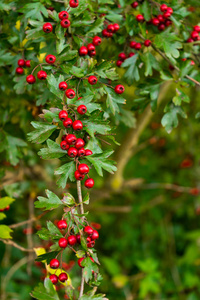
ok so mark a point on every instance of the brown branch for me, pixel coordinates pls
(33, 219)
(29, 232)
(13, 244)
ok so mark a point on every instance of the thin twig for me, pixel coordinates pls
(13, 244)
(33, 219)
(82, 285)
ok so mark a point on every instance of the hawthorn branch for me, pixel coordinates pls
(33, 219)
(13, 244)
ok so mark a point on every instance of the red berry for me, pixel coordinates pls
(92, 80)
(71, 139)
(147, 43)
(83, 51)
(170, 10)
(95, 235)
(62, 224)
(72, 152)
(119, 63)
(50, 59)
(53, 278)
(134, 4)
(161, 27)
(91, 244)
(64, 145)
(190, 40)
(163, 7)
(8, 207)
(88, 239)
(116, 27)
(140, 18)
(63, 277)
(64, 137)
(71, 240)
(155, 22)
(19, 70)
(132, 44)
(122, 56)
(62, 243)
(166, 15)
(78, 175)
(80, 261)
(21, 62)
(83, 169)
(161, 18)
(82, 109)
(88, 152)
(119, 89)
(110, 28)
(54, 263)
(30, 79)
(79, 143)
(73, 3)
(81, 152)
(105, 33)
(90, 47)
(62, 85)
(88, 230)
(70, 93)
(28, 63)
(68, 123)
(96, 41)
(89, 183)
(197, 28)
(138, 46)
(65, 23)
(168, 23)
(42, 75)
(77, 125)
(63, 115)
(63, 15)
(78, 238)
(131, 54)
(47, 27)
(194, 35)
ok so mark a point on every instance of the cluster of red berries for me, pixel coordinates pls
(162, 21)
(5, 209)
(194, 36)
(72, 240)
(21, 64)
(90, 49)
(111, 28)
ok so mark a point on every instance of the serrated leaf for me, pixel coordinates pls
(52, 151)
(47, 257)
(51, 202)
(68, 199)
(2, 216)
(93, 127)
(66, 171)
(101, 162)
(113, 99)
(34, 11)
(53, 229)
(46, 291)
(5, 201)
(53, 83)
(132, 72)
(12, 152)
(89, 267)
(42, 132)
(170, 119)
(86, 199)
(5, 232)
(150, 63)
(96, 26)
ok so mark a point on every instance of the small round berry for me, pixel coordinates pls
(89, 183)
(161, 27)
(30, 79)
(70, 93)
(170, 10)
(50, 59)
(83, 169)
(88, 239)
(62, 243)
(92, 80)
(82, 109)
(63, 15)
(132, 44)
(190, 40)
(138, 46)
(78, 238)
(8, 207)
(166, 15)
(140, 18)
(119, 89)
(155, 22)
(64, 137)
(78, 175)
(134, 4)
(88, 230)
(161, 18)
(53, 278)
(65, 23)
(88, 152)
(62, 85)
(110, 28)
(168, 23)
(62, 224)
(95, 235)
(63, 115)
(91, 244)
(28, 63)
(71, 139)
(21, 62)
(71, 240)
(77, 125)
(96, 41)
(72, 152)
(73, 3)
(79, 143)
(194, 35)
(197, 28)
(42, 75)
(116, 27)
(19, 70)
(122, 56)
(80, 261)
(63, 277)
(83, 51)
(81, 152)
(147, 43)
(64, 145)
(54, 263)
(131, 54)
(163, 7)
(47, 27)
(119, 63)
(105, 33)
(68, 123)
(90, 47)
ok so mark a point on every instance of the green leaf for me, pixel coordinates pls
(5, 232)
(51, 202)
(47, 257)
(68, 199)
(5, 201)
(113, 99)
(2, 216)
(146, 10)
(150, 63)
(101, 162)
(66, 171)
(86, 199)
(91, 106)
(89, 267)
(53, 83)
(96, 26)
(170, 119)
(42, 132)
(92, 127)
(46, 291)
(12, 152)
(34, 11)
(53, 150)
(53, 229)
(132, 72)
(180, 96)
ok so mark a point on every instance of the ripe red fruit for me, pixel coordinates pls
(53, 278)
(78, 175)
(92, 80)
(65, 23)
(64, 137)
(72, 152)
(81, 152)
(89, 183)
(63, 15)
(119, 63)
(47, 27)
(54, 263)
(68, 123)
(77, 125)
(79, 143)
(62, 85)
(71, 240)
(19, 70)
(147, 43)
(161, 27)
(83, 51)
(110, 28)
(140, 18)
(194, 35)
(42, 75)
(196, 28)
(88, 152)
(88, 239)
(168, 23)
(138, 46)
(30, 79)
(119, 89)
(91, 244)
(131, 54)
(167, 14)
(163, 7)
(73, 3)
(88, 230)
(190, 40)
(95, 235)
(122, 56)
(105, 33)
(63, 277)
(78, 238)
(134, 4)
(170, 10)
(90, 47)
(80, 261)
(62, 243)
(64, 145)
(71, 139)
(155, 21)
(132, 44)
(62, 224)
(83, 169)
(96, 41)
(116, 27)
(63, 115)
(50, 59)
(70, 93)
(21, 62)
(82, 109)
(161, 18)
(28, 63)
